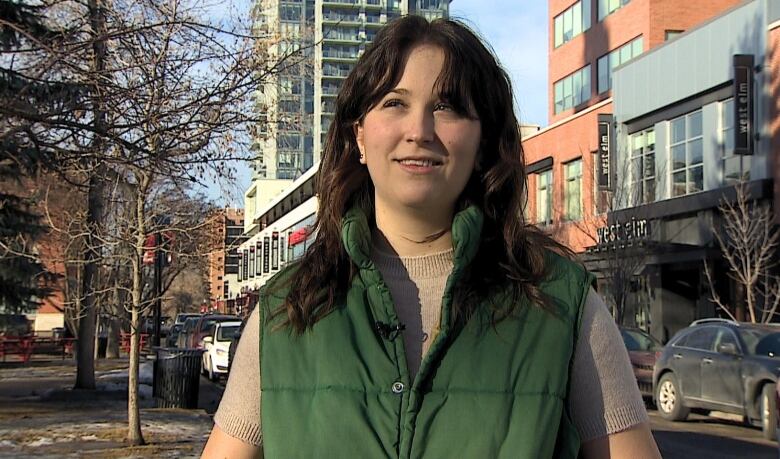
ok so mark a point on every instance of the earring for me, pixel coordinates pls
(362, 157)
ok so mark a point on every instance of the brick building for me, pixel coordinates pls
(588, 40)
(226, 227)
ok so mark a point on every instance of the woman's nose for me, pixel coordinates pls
(420, 127)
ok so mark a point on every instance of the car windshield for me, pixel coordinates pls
(639, 341)
(761, 341)
(227, 333)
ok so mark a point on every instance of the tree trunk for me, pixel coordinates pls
(85, 372)
(85, 363)
(739, 301)
(134, 435)
(113, 325)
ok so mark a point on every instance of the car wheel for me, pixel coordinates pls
(768, 411)
(203, 364)
(669, 399)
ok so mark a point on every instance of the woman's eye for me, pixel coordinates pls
(443, 106)
(392, 103)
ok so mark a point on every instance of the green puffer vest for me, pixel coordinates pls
(342, 389)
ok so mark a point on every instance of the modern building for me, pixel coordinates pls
(588, 40)
(692, 119)
(281, 233)
(226, 227)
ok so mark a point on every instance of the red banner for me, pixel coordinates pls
(298, 236)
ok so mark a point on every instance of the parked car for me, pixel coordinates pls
(722, 365)
(216, 345)
(147, 325)
(183, 316)
(643, 350)
(182, 341)
(202, 326)
(234, 342)
(173, 335)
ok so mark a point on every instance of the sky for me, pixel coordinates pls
(517, 32)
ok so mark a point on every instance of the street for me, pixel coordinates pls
(709, 437)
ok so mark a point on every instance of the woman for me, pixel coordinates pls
(428, 319)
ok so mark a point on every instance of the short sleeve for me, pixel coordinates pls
(603, 397)
(238, 414)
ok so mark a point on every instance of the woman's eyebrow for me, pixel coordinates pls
(400, 91)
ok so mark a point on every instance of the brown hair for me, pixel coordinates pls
(512, 252)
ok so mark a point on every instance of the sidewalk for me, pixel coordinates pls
(42, 416)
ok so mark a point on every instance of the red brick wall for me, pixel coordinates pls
(577, 137)
(682, 15)
(217, 256)
(649, 18)
(773, 66)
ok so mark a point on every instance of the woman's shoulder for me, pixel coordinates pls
(563, 268)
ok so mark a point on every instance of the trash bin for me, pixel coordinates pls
(176, 377)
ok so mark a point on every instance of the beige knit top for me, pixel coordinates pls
(604, 396)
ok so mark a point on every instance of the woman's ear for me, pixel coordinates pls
(358, 130)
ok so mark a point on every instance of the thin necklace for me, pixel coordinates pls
(427, 239)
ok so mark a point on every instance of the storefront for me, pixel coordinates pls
(691, 121)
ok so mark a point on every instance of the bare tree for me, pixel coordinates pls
(748, 240)
(620, 254)
(168, 102)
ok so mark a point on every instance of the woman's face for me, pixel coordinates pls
(419, 152)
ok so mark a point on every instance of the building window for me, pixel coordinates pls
(288, 142)
(290, 13)
(289, 85)
(607, 7)
(641, 180)
(572, 22)
(686, 148)
(735, 167)
(671, 34)
(607, 63)
(572, 197)
(544, 197)
(572, 90)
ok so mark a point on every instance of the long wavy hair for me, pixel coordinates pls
(512, 251)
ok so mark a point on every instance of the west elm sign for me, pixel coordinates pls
(605, 152)
(743, 104)
(624, 232)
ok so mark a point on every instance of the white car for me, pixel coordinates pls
(215, 346)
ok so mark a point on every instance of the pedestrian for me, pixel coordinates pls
(429, 318)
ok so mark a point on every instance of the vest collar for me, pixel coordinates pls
(466, 232)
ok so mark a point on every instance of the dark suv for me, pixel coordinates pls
(718, 364)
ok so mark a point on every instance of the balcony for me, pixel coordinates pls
(337, 35)
(374, 20)
(342, 3)
(336, 18)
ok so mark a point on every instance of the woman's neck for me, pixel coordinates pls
(411, 232)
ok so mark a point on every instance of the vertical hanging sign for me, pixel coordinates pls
(605, 151)
(266, 254)
(743, 104)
